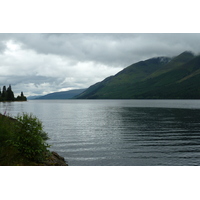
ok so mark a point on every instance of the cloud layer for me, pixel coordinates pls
(43, 63)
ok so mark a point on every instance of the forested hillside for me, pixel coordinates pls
(155, 78)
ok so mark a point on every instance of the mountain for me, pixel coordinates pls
(33, 97)
(155, 78)
(62, 95)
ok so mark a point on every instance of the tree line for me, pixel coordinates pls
(8, 95)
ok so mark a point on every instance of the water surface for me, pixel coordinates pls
(119, 132)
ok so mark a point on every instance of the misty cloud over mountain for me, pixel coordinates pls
(44, 63)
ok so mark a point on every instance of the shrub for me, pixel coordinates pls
(30, 138)
(8, 152)
(22, 140)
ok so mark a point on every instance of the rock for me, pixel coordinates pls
(55, 160)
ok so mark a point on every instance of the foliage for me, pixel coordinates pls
(21, 97)
(155, 78)
(8, 95)
(30, 137)
(22, 138)
(8, 152)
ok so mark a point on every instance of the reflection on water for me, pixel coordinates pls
(159, 136)
(120, 132)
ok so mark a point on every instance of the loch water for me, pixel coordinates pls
(119, 132)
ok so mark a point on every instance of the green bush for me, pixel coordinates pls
(22, 138)
(30, 139)
(8, 152)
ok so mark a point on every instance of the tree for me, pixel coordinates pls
(4, 88)
(21, 97)
(10, 94)
(4, 93)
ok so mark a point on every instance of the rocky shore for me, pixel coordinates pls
(54, 160)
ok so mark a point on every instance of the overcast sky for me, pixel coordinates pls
(38, 64)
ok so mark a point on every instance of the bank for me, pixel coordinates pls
(23, 143)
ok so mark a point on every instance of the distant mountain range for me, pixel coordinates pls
(59, 95)
(155, 78)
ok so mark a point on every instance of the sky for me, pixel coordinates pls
(38, 63)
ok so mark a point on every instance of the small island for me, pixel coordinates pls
(8, 95)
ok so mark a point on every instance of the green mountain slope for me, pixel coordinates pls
(113, 85)
(92, 90)
(156, 78)
(174, 63)
(62, 95)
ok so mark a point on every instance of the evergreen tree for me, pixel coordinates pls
(4, 88)
(21, 97)
(10, 94)
(4, 93)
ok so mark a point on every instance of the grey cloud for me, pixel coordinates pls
(110, 49)
(32, 84)
(50, 62)
(2, 47)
